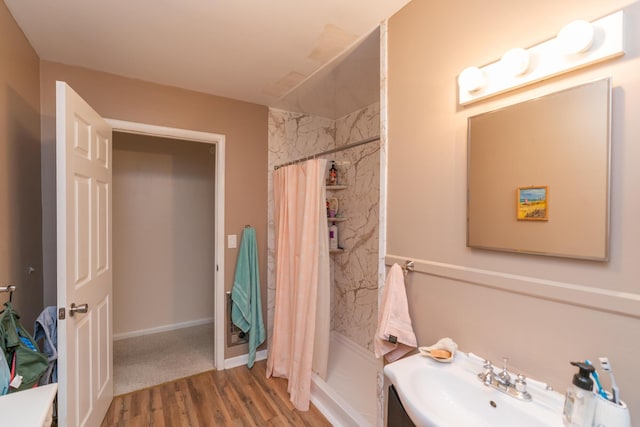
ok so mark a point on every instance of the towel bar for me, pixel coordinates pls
(9, 288)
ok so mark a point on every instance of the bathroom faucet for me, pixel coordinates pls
(502, 381)
(487, 376)
(503, 377)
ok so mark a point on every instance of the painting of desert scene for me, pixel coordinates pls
(533, 203)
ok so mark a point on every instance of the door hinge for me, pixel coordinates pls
(61, 313)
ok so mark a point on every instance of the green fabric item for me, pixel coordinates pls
(29, 364)
(246, 311)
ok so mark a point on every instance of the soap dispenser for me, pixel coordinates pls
(580, 401)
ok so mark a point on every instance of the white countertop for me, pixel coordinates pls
(28, 408)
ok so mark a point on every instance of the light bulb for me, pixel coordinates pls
(515, 61)
(472, 79)
(576, 37)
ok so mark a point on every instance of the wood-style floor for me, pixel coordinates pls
(235, 397)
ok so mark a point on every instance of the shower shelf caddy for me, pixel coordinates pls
(336, 219)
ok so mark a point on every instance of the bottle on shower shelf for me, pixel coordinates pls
(333, 207)
(333, 174)
(333, 237)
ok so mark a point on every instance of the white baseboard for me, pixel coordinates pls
(243, 359)
(164, 328)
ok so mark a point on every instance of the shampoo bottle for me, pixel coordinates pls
(580, 401)
(333, 236)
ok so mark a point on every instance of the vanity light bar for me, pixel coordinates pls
(577, 45)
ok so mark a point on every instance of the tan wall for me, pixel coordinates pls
(429, 44)
(115, 97)
(20, 205)
(163, 232)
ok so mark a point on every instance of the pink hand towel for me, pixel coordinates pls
(394, 336)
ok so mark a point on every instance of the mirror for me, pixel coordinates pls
(538, 175)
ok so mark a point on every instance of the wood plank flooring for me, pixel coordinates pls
(235, 397)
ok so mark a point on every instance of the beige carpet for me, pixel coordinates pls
(150, 360)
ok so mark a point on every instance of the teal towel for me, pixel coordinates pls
(246, 311)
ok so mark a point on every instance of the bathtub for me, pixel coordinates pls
(350, 394)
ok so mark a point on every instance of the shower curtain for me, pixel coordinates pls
(300, 342)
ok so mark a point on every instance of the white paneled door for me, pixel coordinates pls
(83, 161)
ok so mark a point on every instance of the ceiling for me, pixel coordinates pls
(251, 50)
(348, 83)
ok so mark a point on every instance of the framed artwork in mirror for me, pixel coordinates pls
(532, 203)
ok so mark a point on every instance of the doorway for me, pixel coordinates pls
(163, 247)
(200, 193)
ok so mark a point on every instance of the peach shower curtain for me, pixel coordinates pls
(300, 342)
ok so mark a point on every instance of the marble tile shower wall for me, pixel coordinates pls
(354, 272)
(355, 298)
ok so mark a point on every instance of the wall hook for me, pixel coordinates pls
(408, 267)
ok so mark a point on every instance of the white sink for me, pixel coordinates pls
(450, 394)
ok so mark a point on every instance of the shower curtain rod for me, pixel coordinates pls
(333, 150)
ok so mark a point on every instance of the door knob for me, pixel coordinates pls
(82, 308)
